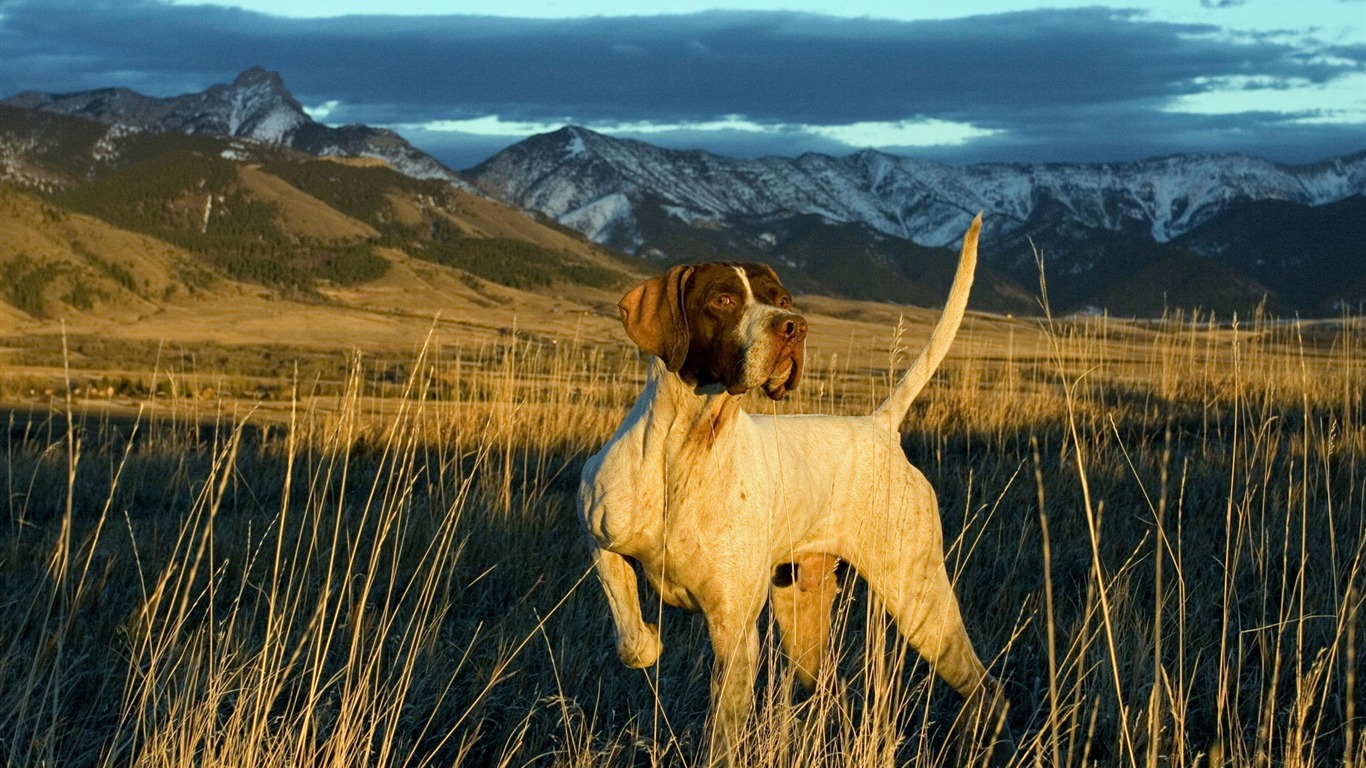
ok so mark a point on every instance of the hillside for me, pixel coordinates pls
(158, 234)
(1316, 256)
(121, 232)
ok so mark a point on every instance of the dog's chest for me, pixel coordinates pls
(647, 489)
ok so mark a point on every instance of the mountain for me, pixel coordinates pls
(1314, 254)
(255, 107)
(1223, 233)
(687, 204)
(120, 223)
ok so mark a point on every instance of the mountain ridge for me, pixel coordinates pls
(866, 225)
(1168, 195)
(256, 106)
(662, 202)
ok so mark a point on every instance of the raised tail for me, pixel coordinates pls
(896, 405)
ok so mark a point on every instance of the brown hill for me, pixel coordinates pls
(181, 237)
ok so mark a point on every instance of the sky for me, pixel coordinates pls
(963, 82)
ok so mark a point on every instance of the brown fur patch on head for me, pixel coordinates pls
(714, 303)
(691, 318)
(655, 319)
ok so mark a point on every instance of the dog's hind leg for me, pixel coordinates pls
(911, 580)
(927, 615)
(901, 557)
(802, 597)
(638, 643)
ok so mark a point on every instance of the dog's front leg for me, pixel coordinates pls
(638, 643)
(735, 642)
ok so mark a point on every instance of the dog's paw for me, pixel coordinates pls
(641, 649)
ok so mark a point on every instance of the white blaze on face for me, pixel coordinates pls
(761, 346)
(749, 289)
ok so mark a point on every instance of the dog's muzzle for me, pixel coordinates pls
(786, 371)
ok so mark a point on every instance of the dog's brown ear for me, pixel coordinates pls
(654, 318)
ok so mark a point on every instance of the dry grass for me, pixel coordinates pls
(301, 215)
(1156, 530)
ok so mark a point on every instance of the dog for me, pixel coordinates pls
(725, 511)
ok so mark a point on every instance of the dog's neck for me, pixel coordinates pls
(693, 418)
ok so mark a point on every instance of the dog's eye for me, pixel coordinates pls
(724, 300)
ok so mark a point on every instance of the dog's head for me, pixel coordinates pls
(728, 324)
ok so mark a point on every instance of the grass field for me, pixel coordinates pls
(272, 558)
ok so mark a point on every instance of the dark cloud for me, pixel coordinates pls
(1086, 84)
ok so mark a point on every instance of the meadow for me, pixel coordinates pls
(1156, 532)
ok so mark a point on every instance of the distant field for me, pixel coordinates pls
(220, 551)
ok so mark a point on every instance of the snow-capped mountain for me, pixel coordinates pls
(598, 185)
(1132, 237)
(255, 107)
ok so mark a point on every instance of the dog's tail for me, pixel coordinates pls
(896, 405)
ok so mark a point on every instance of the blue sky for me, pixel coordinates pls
(965, 82)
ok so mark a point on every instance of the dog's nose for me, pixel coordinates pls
(790, 327)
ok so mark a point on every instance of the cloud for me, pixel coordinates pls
(905, 133)
(320, 112)
(1079, 84)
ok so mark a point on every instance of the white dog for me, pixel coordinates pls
(723, 509)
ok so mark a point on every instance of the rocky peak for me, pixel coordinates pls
(255, 106)
(260, 76)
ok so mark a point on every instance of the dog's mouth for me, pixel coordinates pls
(776, 375)
(787, 371)
(781, 380)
